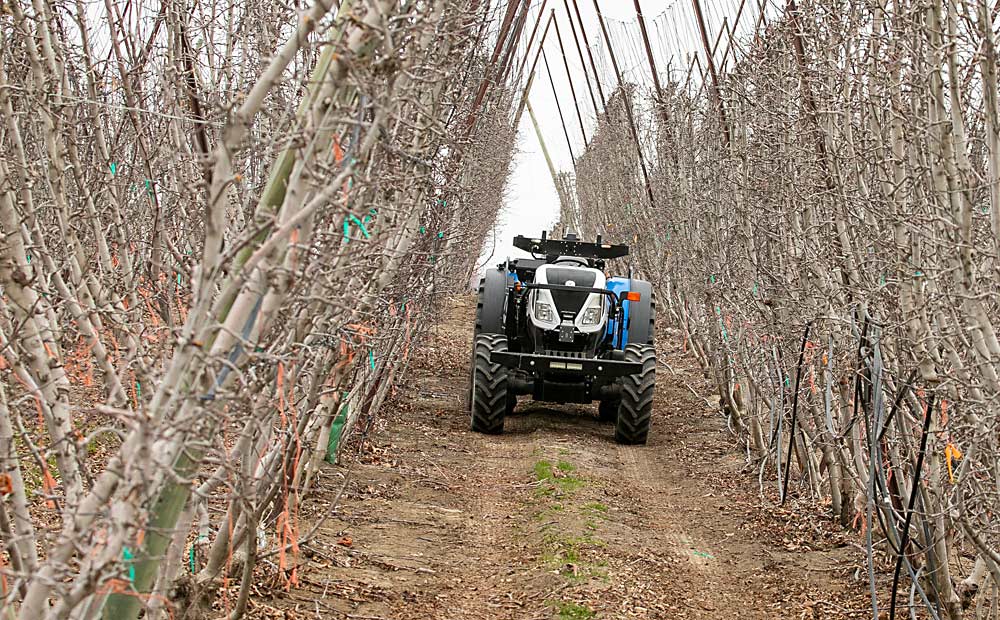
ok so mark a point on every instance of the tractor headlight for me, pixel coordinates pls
(543, 312)
(592, 315)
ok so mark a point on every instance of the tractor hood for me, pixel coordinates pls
(584, 310)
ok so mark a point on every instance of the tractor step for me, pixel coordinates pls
(531, 362)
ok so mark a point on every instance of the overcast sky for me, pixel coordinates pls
(531, 201)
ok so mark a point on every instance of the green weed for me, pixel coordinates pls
(565, 483)
(572, 611)
(543, 470)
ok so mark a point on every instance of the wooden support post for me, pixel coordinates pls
(732, 35)
(508, 59)
(524, 100)
(491, 66)
(531, 74)
(649, 50)
(716, 93)
(660, 104)
(531, 41)
(628, 106)
(593, 65)
(583, 63)
(545, 151)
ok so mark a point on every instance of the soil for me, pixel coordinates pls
(552, 519)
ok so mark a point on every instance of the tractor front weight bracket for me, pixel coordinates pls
(585, 367)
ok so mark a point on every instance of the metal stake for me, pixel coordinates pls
(559, 108)
(569, 78)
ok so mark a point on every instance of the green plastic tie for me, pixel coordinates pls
(371, 358)
(200, 538)
(114, 168)
(361, 225)
(423, 230)
(347, 227)
(128, 556)
(440, 235)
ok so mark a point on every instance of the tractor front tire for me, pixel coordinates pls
(491, 399)
(636, 406)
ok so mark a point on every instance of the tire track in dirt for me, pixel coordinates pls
(489, 530)
(551, 519)
(675, 502)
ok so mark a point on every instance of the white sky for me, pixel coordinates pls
(531, 203)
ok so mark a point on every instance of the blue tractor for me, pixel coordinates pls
(557, 329)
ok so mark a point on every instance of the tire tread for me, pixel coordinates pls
(636, 409)
(490, 398)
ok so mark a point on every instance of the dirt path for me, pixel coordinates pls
(552, 519)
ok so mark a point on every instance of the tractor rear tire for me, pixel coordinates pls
(607, 410)
(636, 407)
(491, 399)
(490, 302)
(642, 313)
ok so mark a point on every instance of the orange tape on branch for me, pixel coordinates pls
(281, 393)
(49, 484)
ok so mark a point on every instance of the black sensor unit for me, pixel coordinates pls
(563, 247)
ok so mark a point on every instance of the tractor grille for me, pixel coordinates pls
(570, 301)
